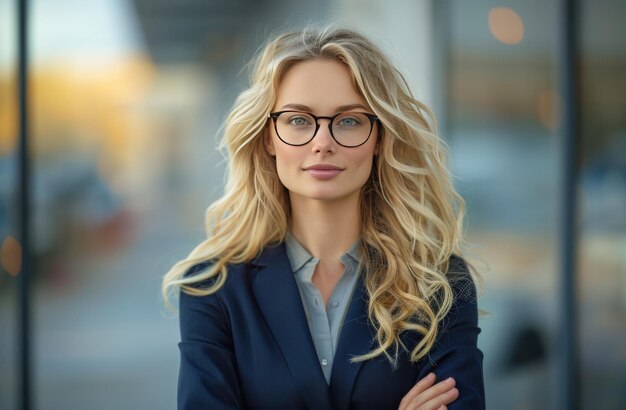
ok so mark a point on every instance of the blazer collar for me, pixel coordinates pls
(279, 301)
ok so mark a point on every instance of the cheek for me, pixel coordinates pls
(365, 168)
(364, 162)
(287, 161)
(285, 155)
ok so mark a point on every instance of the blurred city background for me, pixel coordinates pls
(126, 103)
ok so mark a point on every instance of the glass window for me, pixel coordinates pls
(500, 123)
(9, 245)
(602, 253)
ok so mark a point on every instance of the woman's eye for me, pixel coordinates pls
(349, 122)
(299, 121)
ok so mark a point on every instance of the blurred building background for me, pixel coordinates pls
(126, 103)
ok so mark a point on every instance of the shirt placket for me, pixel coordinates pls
(321, 330)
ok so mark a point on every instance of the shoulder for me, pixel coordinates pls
(240, 276)
(460, 279)
(463, 311)
(204, 299)
(236, 275)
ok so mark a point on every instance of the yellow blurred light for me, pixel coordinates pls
(11, 255)
(8, 116)
(82, 107)
(506, 25)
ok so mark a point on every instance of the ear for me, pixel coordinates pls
(268, 143)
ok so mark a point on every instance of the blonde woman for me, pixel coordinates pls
(331, 276)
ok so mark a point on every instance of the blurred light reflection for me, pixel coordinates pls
(506, 25)
(11, 255)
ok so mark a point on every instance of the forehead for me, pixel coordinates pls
(321, 84)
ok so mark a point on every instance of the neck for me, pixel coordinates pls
(326, 229)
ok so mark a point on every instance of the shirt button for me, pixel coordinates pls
(335, 303)
(324, 362)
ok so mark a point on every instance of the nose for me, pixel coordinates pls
(323, 140)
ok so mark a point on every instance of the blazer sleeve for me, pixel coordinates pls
(208, 376)
(456, 353)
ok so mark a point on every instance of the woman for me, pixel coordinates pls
(331, 277)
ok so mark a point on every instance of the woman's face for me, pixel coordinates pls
(324, 88)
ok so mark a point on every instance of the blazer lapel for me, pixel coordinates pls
(357, 337)
(279, 300)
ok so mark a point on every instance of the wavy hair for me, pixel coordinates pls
(412, 217)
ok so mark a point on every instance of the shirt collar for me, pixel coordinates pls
(299, 256)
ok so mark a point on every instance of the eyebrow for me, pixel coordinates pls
(340, 108)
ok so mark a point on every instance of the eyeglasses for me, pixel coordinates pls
(348, 129)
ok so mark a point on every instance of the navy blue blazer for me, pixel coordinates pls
(248, 346)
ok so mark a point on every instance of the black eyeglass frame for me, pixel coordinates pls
(372, 117)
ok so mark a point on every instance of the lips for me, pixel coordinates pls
(323, 167)
(323, 171)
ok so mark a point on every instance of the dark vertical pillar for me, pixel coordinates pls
(570, 98)
(23, 322)
(442, 66)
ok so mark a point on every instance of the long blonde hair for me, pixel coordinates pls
(412, 215)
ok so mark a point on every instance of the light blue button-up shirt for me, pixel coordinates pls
(324, 322)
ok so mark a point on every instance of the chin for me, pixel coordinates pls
(325, 195)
